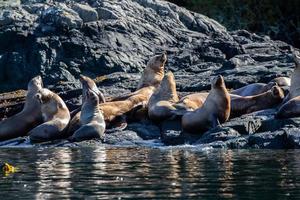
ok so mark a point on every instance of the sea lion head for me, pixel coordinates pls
(296, 57)
(89, 84)
(277, 92)
(157, 62)
(44, 96)
(35, 84)
(92, 97)
(218, 82)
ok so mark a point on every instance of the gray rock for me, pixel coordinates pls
(147, 131)
(86, 12)
(218, 134)
(122, 138)
(293, 137)
(61, 17)
(111, 41)
(106, 14)
(268, 140)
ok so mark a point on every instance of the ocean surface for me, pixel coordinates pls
(110, 172)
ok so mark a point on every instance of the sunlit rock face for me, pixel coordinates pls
(61, 39)
(111, 41)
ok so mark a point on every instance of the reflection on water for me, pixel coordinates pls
(132, 172)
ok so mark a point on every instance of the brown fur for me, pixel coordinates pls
(151, 76)
(88, 83)
(191, 102)
(154, 72)
(161, 102)
(114, 109)
(215, 110)
(282, 81)
(111, 110)
(291, 108)
(21, 123)
(295, 78)
(244, 105)
(56, 117)
(253, 89)
(91, 118)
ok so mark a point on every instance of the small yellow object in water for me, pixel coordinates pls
(8, 169)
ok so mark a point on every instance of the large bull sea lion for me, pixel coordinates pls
(215, 110)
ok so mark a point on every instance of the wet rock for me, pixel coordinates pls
(293, 137)
(246, 124)
(276, 124)
(172, 137)
(268, 140)
(237, 143)
(147, 131)
(171, 132)
(218, 134)
(122, 138)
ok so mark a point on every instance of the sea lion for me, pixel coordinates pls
(56, 117)
(295, 78)
(151, 76)
(291, 106)
(31, 116)
(190, 102)
(89, 84)
(244, 105)
(154, 71)
(115, 109)
(253, 89)
(161, 102)
(282, 81)
(91, 118)
(215, 110)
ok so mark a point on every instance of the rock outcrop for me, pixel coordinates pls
(111, 42)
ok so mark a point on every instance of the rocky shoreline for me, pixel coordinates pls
(111, 41)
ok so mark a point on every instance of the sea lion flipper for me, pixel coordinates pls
(214, 121)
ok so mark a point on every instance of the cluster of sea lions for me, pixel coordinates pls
(46, 117)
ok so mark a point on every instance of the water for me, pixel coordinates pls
(152, 173)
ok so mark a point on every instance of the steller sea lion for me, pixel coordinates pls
(295, 78)
(244, 105)
(154, 72)
(282, 81)
(190, 102)
(113, 110)
(161, 102)
(151, 76)
(89, 84)
(31, 116)
(291, 107)
(56, 117)
(91, 118)
(253, 89)
(215, 110)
